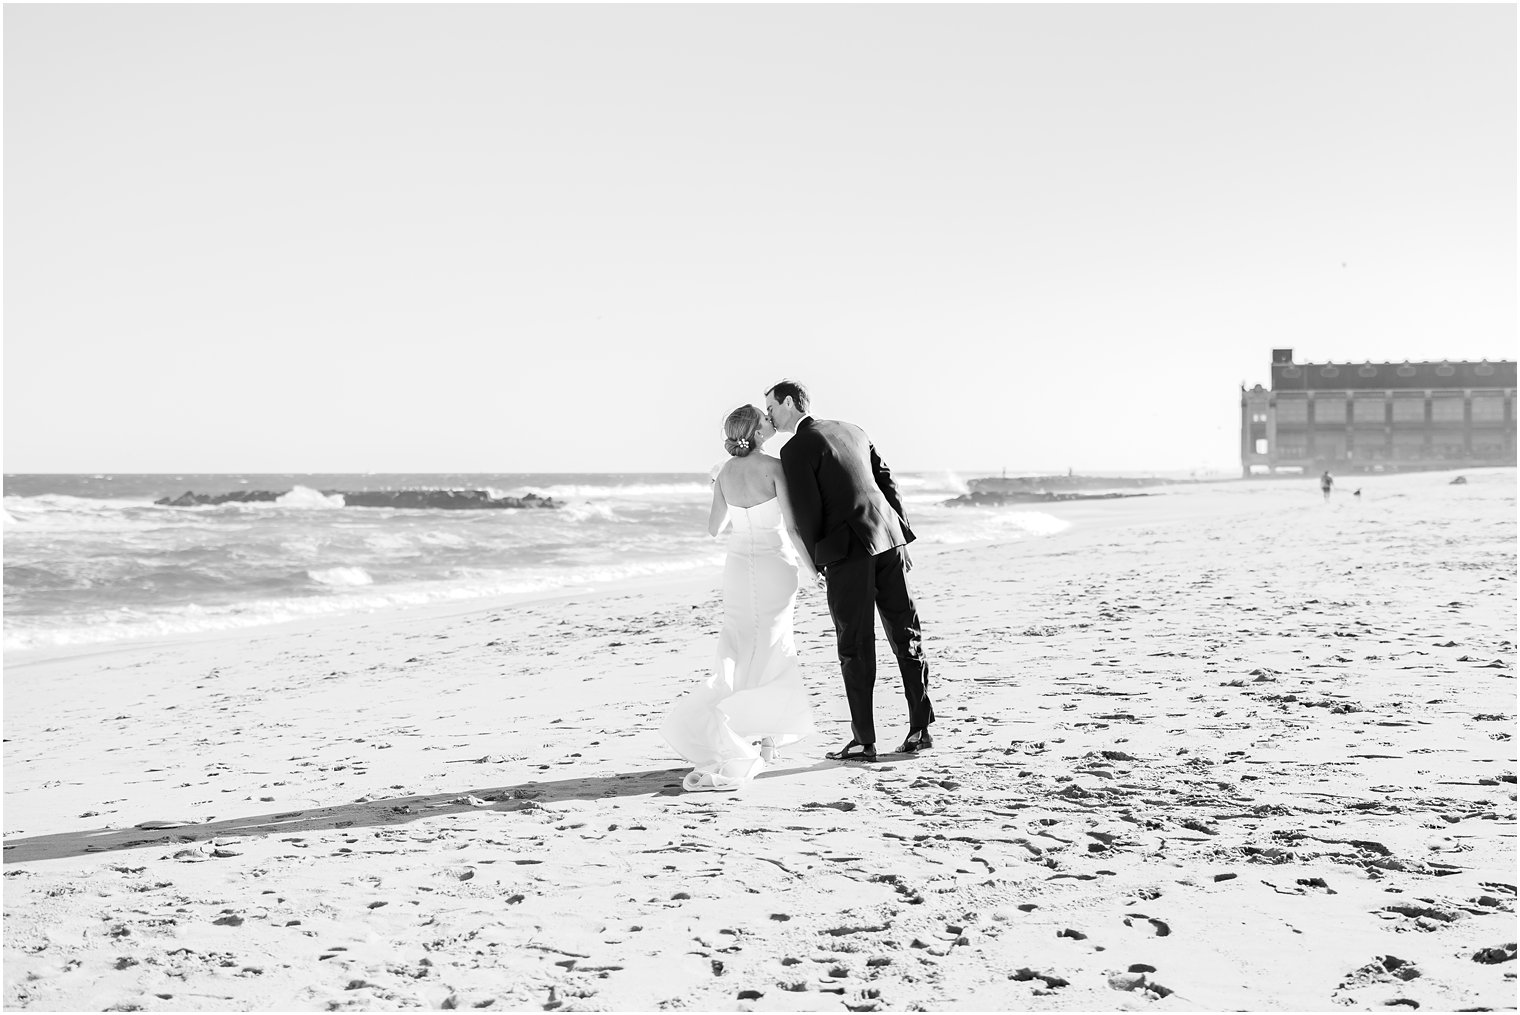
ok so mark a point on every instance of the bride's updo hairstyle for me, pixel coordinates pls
(741, 430)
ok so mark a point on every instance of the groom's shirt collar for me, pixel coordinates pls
(808, 418)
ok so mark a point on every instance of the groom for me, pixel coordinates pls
(851, 519)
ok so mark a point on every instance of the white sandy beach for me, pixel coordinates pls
(1229, 748)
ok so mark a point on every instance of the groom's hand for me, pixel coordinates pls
(907, 560)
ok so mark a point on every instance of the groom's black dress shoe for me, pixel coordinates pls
(853, 751)
(918, 740)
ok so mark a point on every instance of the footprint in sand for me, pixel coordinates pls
(1385, 970)
(1158, 927)
(1304, 886)
(844, 930)
(913, 898)
(1496, 955)
(1425, 918)
(1051, 981)
(1139, 983)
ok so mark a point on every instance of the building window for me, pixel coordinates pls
(1447, 445)
(1258, 417)
(1261, 445)
(1446, 410)
(1408, 443)
(1331, 410)
(1292, 410)
(1367, 410)
(1406, 371)
(1483, 370)
(1488, 408)
(1409, 410)
(1291, 371)
(1329, 372)
(1445, 370)
(1367, 371)
(1330, 446)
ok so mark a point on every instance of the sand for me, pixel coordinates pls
(1233, 748)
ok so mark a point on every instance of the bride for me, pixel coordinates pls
(754, 701)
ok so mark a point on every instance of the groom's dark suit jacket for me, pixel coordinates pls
(840, 488)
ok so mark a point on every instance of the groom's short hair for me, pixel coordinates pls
(782, 390)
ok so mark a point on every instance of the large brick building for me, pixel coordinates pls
(1377, 417)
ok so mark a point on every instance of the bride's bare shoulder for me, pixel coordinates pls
(774, 469)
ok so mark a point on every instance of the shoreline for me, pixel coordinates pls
(693, 579)
(442, 609)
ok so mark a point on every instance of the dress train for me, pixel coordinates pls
(754, 693)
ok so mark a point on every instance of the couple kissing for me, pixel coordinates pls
(826, 510)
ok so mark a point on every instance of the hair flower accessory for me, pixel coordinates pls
(742, 443)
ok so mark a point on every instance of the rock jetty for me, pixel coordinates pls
(446, 499)
(995, 490)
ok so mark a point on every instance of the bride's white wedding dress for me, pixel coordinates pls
(755, 691)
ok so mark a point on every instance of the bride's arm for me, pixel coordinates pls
(717, 518)
(783, 499)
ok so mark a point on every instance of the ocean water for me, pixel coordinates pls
(90, 559)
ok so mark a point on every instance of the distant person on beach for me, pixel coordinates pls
(754, 700)
(1326, 481)
(851, 520)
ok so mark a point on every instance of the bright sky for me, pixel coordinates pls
(570, 238)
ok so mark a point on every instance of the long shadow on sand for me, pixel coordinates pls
(381, 812)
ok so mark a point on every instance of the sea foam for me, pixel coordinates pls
(342, 576)
(28, 633)
(990, 525)
(305, 497)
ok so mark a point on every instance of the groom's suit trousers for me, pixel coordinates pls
(860, 587)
